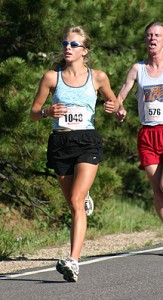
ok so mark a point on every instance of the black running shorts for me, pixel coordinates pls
(68, 148)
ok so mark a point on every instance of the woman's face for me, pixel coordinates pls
(73, 47)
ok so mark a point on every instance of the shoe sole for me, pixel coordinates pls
(59, 268)
(69, 275)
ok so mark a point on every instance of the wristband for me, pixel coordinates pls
(42, 113)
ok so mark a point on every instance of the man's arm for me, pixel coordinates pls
(129, 83)
(126, 88)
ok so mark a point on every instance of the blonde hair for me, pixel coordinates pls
(86, 42)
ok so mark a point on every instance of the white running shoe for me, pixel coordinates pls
(89, 205)
(69, 268)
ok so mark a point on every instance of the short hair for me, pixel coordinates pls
(155, 23)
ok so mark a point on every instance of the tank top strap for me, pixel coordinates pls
(59, 74)
(90, 77)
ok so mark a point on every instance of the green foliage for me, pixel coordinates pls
(117, 216)
(107, 182)
(25, 27)
(136, 185)
(17, 242)
(6, 242)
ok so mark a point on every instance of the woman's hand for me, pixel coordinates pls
(109, 107)
(56, 110)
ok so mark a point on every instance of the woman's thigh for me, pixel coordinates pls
(77, 185)
(84, 175)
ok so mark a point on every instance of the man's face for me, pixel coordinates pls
(154, 39)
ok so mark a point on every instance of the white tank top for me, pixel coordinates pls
(149, 95)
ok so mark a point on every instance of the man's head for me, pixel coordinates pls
(154, 37)
(155, 23)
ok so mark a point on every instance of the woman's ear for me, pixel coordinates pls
(85, 52)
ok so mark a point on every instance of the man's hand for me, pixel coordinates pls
(121, 114)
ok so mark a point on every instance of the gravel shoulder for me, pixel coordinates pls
(103, 245)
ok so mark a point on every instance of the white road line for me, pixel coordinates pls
(119, 255)
(111, 256)
(27, 273)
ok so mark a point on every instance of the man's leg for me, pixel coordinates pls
(155, 175)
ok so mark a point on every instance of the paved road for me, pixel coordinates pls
(136, 275)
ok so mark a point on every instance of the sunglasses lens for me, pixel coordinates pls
(65, 43)
(74, 44)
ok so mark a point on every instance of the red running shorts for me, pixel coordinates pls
(150, 145)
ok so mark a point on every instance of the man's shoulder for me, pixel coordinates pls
(135, 67)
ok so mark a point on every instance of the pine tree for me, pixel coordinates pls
(30, 36)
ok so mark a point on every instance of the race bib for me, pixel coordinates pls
(75, 118)
(153, 111)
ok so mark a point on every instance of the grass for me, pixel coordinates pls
(19, 236)
(118, 216)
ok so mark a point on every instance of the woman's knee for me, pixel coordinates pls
(76, 204)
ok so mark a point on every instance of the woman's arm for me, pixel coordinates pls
(47, 85)
(102, 84)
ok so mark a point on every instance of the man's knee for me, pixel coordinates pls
(161, 188)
